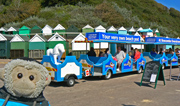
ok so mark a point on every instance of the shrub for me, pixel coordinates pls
(30, 22)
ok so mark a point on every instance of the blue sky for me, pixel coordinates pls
(170, 3)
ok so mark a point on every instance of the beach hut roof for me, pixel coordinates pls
(132, 29)
(79, 37)
(87, 27)
(112, 28)
(100, 27)
(11, 29)
(137, 34)
(146, 30)
(47, 26)
(56, 37)
(2, 29)
(156, 30)
(139, 29)
(59, 27)
(2, 38)
(122, 29)
(25, 27)
(19, 38)
(38, 38)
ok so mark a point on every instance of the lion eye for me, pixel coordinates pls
(20, 75)
(31, 77)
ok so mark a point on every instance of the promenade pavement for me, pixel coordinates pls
(120, 90)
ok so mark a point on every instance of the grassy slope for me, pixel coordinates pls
(144, 13)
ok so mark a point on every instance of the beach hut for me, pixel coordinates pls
(5, 45)
(59, 29)
(122, 30)
(79, 46)
(137, 34)
(100, 28)
(72, 31)
(139, 29)
(142, 40)
(87, 29)
(25, 31)
(38, 46)
(12, 31)
(36, 30)
(19, 46)
(112, 30)
(2, 30)
(47, 30)
(147, 32)
(157, 32)
(56, 39)
(132, 31)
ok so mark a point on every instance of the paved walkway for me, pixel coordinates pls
(120, 90)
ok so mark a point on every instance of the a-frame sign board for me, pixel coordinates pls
(153, 72)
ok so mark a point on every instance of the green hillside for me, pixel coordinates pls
(127, 13)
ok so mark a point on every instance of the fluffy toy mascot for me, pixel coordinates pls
(24, 82)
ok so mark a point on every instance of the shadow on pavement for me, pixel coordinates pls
(144, 84)
(59, 84)
(173, 78)
(128, 105)
(94, 78)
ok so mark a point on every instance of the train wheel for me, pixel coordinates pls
(70, 81)
(108, 75)
(140, 70)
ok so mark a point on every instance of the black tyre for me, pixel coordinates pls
(70, 81)
(108, 75)
(140, 70)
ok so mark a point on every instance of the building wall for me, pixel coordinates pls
(122, 32)
(158, 34)
(37, 45)
(24, 32)
(84, 31)
(3, 49)
(115, 32)
(80, 46)
(34, 31)
(15, 32)
(52, 44)
(47, 31)
(61, 32)
(21, 45)
(150, 34)
(8, 47)
(100, 30)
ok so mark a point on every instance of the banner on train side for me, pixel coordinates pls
(112, 37)
(162, 40)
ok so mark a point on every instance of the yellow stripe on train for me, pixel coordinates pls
(51, 69)
(87, 65)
